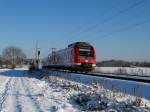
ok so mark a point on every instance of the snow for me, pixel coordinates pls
(142, 89)
(50, 91)
(140, 71)
(86, 84)
(21, 91)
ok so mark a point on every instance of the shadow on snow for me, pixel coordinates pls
(22, 73)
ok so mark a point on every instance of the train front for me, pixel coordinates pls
(85, 56)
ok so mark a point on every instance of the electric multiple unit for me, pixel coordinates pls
(78, 56)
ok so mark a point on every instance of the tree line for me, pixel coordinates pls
(12, 56)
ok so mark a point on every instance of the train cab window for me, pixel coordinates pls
(85, 53)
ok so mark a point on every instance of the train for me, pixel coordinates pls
(78, 56)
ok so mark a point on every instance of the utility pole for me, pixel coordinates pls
(36, 55)
(53, 55)
(13, 58)
(36, 49)
(38, 58)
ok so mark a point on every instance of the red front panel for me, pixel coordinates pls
(83, 60)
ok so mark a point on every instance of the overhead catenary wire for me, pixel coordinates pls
(101, 15)
(127, 28)
(89, 29)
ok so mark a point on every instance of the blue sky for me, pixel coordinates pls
(118, 29)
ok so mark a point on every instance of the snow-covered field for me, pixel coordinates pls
(140, 71)
(23, 91)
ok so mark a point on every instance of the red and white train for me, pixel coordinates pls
(78, 56)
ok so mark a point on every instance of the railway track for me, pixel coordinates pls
(144, 79)
(122, 77)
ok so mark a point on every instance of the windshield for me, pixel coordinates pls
(85, 53)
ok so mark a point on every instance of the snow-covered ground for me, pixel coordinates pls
(89, 87)
(140, 71)
(23, 91)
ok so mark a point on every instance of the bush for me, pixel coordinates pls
(92, 102)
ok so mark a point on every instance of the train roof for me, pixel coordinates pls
(79, 44)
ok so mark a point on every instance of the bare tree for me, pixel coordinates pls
(13, 56)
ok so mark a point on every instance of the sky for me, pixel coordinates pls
(118, 29)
